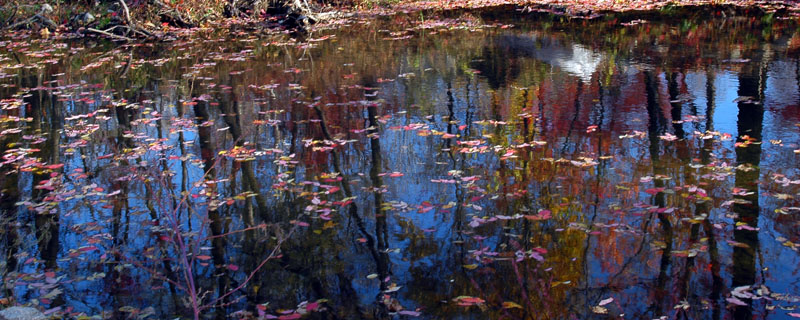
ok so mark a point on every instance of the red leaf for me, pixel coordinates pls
(87, 248)
(654, 191)
(299, 223)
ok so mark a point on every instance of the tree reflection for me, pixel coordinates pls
(567, 168)
(746, 206)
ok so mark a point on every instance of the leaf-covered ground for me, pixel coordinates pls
(590, 9)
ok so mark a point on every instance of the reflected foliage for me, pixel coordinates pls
(515, 166)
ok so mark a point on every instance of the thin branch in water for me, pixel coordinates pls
(109, 34)
(260, 226)
(253, 273)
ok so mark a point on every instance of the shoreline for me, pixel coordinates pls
(121, 27)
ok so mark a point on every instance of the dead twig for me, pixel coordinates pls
(108, 34)
(20, 23)
(131, 24)
(127, 13)
(143, 32)
(32, 19)
(124, 72)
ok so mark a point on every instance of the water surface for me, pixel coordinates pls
(508, 166)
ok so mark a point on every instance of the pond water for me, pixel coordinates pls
(482, 166)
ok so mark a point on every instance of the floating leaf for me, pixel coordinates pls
(736, 301)
(410, 313)
(599, 310)
(468, 301)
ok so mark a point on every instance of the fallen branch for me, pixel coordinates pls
(108, 34)
(23, 22)
(323, 16)
(46, 21)
(42, 20)
(131, 24)
(127, 13)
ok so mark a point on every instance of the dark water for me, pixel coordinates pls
(408, 167)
